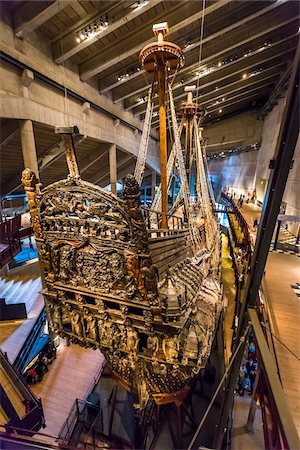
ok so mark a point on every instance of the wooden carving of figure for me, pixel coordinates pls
(91, 328)
(76, 323)
(150, 276)
(132, 266)
(153, 345)
(65, 314)
(170, 348)
(131, 195)
(32, 186)
(55, 317)
(132, 340)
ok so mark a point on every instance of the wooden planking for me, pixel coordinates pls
(168, 251)
(70, 376)
(282, 271)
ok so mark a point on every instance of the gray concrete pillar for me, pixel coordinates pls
(28, 146)
(153, 185)
(113, 168)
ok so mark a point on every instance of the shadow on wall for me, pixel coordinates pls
(261, 187)
(236, 170)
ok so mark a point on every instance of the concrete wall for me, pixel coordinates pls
(237, 131)
(236, 171)
(43, 103)
(249, 170)
(270, 134)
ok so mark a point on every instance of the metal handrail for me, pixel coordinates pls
(26, 348)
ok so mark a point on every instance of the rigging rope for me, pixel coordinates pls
(156, 205)
(200, 49)
(143, 149)
(285, 346)
(242, 341)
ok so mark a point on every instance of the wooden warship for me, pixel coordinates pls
(141, 285)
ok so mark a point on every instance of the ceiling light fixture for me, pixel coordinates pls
(92, 30)
(140, 4)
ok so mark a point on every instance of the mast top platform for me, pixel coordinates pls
(161, 53)
(189, 108)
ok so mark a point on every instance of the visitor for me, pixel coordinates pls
(39, 368)
(31, 376)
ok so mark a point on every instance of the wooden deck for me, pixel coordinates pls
(282, 271)
(70, 376)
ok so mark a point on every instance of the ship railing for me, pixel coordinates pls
(153, 220)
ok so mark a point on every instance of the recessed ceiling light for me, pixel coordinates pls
(220, 110)
(244, 76)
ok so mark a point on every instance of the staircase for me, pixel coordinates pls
(20, 289)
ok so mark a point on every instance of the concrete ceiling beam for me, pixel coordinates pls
(272, 75)
(216, 81)
(240, 23)
(8, 132)
(93, 158)
(48, 158)
(71, 48)
(120, 164)
(27, 19)
(214, 59)
(231, 88)
(98, 64)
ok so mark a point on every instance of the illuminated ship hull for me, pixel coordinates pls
(140, 285)
(102, 287)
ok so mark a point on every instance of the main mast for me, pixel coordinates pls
(163, 59)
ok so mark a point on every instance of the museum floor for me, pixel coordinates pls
(75, 369)
(283, 272)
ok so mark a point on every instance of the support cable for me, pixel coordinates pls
(200, 48)
(279, 340)
(242, 341)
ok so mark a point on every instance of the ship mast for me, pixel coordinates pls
(188, 110)
(163, 59)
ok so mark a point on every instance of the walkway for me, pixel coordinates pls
(282, 272)
(241, 439)
(71, 375)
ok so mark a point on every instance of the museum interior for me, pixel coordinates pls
(149, 224)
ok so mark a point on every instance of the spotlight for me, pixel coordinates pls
(219, 64)
(141, 3)
(244, 76)
(78, 39)
(220, 110)
(106, 21)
